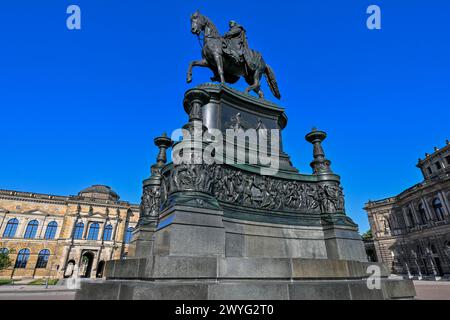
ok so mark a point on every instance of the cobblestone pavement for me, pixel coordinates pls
(432, 290)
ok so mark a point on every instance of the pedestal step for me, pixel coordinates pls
(244, 290)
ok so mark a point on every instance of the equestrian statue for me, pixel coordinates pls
(229, 56)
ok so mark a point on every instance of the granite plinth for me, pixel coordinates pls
(244, 290)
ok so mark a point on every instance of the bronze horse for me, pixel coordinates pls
(224, 67)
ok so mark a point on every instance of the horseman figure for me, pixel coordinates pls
(229, 57)
(235, 42)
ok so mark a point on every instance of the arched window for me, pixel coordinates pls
(93, 231)
(433, 249)
(78, 232)
(437, 207)
(423, 216)
(30, 232)
(43, 257)
(11, 228)
(107, 233)
(128, 234)
(50, 232)
(410, 218)
(4, 251)
(22, 259)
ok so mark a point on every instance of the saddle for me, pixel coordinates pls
(231, 52)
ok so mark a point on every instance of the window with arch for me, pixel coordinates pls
(11, 228)
(22, 259)
(422, 215)
(438, 165)
(438, 211)
(107, 234)
(30, 232)
(411, 218)
(43, 257)
(433, 249)
(93, 231)
(78, 232)
(128, 235)
(4, 251)
(50, 232)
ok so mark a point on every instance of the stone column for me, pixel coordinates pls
(408, 271)
(445, 204)
(405, 217)
(428, 211)
(433, 267)
(86, 228)
(414, 212)
(142, 241)
(72, 232)
(41, 229)
(320, 164)
(376, 224)
(23, 222)
(3, 222)
(101, 230)
(114, 233)
(191, 219)
(341, 236)
(418, 269)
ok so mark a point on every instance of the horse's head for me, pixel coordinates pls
(198, 22)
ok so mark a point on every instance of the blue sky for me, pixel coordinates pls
(82, 107)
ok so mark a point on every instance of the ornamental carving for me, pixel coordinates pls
(240, 188)
(150, 202)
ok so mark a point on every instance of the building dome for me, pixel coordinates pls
(99, 191)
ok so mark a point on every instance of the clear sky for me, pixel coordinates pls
(82, 107)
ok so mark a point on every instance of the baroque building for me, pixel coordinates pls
(411, 231)
(64, 236)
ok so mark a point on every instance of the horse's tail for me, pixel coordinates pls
(272, 81)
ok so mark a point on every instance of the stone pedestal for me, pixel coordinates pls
(186, 231)
(220, 278)
(235, 231)
(344, 243)
(142, 241)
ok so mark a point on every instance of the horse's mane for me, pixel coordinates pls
(212, 26)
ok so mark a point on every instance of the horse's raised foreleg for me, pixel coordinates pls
(219, 62)
(197, 63)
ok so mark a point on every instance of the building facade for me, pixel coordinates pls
(411, 231)
(64, 236)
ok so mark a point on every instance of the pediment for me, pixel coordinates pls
(98, 214)
(36, 211)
